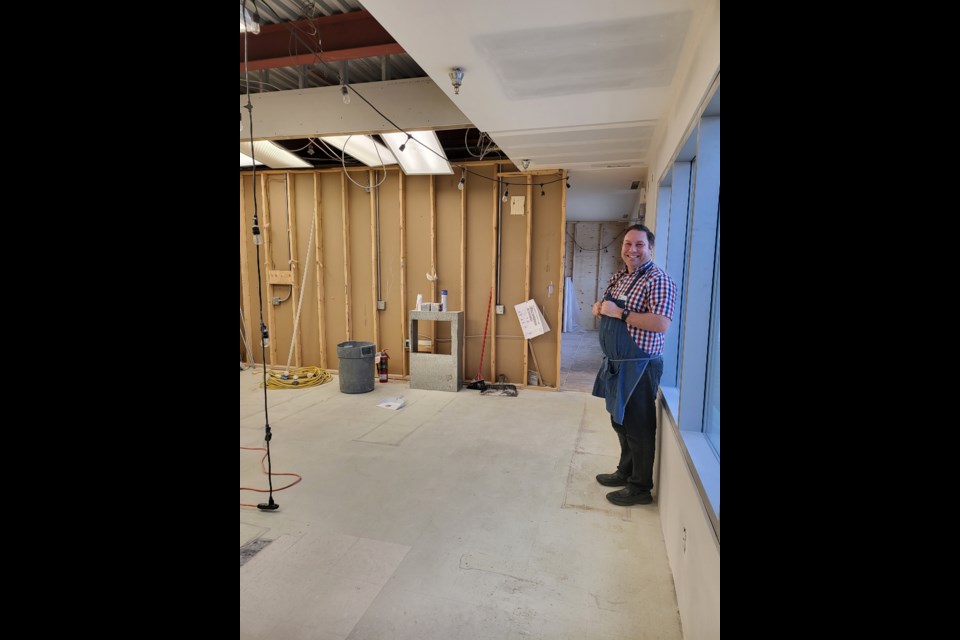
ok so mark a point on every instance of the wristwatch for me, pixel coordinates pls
(626, 312)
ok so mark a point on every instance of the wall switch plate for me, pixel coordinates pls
(499, 309)
(381, 304)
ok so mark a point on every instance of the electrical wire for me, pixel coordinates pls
(267, 435)
(297, 378)
(459, 166)
(365, 187)
(303, 284)
(603, 248)
(297, 35)
(318, 56)
(269, 474)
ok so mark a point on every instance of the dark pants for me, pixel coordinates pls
(638, 433)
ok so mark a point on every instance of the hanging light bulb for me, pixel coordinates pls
(346, 93)
(542, 192)
(568, 182)
(257, 238)
(506, 195)
(463, 177)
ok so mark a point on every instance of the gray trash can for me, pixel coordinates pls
(356, 366)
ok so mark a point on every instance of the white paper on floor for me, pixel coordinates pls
(392, 403)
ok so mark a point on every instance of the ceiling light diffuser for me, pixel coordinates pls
(422, 156)
(273, 155)
(363, 148)
(247, 161)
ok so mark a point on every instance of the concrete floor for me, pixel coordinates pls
(579, 360)
(457, 516)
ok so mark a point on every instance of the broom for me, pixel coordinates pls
(478, 381)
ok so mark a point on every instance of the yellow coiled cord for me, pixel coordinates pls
(297, 378)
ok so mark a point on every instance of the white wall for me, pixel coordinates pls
(701, 63)
(693, 549)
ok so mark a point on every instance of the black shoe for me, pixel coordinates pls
(628, 496)
(615, 479)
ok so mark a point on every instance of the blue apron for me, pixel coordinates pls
(623, 362)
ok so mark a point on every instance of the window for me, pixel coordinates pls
(711, 410)
(689, 210)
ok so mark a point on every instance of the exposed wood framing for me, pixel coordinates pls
(493, 283)
(280, 278)
(563, 260)
(245, 275)
(346, 249)
(318, 256)
(403, 271)
(357, 281)
(433, 251)
(265, 232)
(527, 174)
(294, 270)
(526, 280)
(374, 256)
(463, 269)
(536, 364)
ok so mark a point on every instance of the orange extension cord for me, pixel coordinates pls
(262, 468)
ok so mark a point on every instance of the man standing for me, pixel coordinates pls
(635, 313)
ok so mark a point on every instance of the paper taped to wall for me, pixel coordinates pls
(532, 321)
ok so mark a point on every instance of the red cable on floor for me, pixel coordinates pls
(262, 468)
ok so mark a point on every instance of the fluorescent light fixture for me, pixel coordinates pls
(363, 148)
(424, 157)
(273, 155)
(247, 161)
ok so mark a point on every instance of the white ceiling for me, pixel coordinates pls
(580, 85)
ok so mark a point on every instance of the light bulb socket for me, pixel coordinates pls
(456, 79)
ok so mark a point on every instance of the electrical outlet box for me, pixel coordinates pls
(276, 302)
(406, 344)
(381, 304)
(500, 310)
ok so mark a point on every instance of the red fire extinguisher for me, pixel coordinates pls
(382, 367)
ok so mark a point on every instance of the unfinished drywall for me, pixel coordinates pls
(479, 254)
(546, 270)
(596, 255)
(358, 246)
